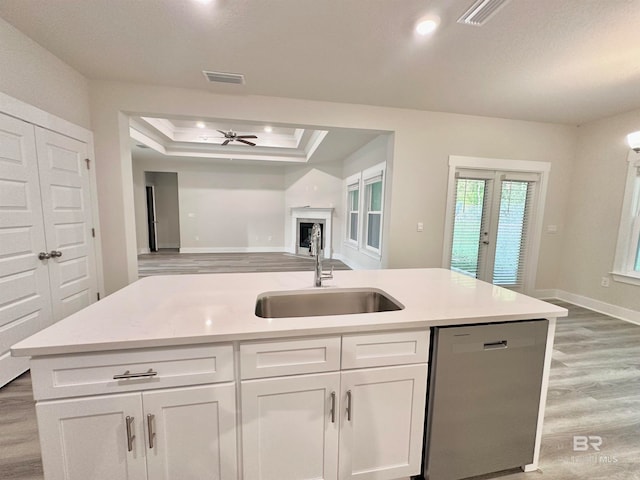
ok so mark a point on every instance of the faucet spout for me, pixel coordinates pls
(315, 250)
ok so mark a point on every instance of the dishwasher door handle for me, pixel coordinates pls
(495, 345)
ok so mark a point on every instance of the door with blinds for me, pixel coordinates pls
(492, 224)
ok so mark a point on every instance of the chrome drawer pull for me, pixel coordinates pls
(128, 374)
(152, 434)
(130, 435)
(333, 407)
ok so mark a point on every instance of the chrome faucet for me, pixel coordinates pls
(315, 251)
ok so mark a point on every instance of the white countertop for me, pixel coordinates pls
(191, 309)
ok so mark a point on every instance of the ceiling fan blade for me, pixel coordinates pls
(246, 136)
(225, 142)
(244, 141)
(224, 133)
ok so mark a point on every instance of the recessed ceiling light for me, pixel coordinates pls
(427, 25)
(268, 129)
(200, 125)
(203, 2)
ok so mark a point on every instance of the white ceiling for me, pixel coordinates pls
(567, 61)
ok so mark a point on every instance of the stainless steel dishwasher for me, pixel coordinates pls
(484, 395)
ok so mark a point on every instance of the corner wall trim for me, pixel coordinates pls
(621, 313)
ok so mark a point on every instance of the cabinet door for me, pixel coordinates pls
(191, 433)
(24, 282)
(383, 408)
(87, 438)
(66, 203)
(290, 427)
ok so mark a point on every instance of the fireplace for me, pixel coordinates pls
(302, 220)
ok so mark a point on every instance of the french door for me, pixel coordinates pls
(491, 226)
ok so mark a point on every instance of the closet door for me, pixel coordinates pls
(66, 203)
(25, 304)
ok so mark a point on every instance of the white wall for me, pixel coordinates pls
(593, 216)
(32, 74)
(221, 207)
(319, 186)
(421, 146)
(373, 153)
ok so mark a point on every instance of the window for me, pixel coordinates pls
(364, 207)
(353, 209)
(373, 194)
(627, 261)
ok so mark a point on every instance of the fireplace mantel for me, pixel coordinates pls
(310, 214)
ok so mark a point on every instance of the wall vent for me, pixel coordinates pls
(481, 11)
(224, 77)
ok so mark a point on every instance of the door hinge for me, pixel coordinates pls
(98, 295)
(88, 162)
(93, 232)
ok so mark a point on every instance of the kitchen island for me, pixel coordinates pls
(177, 377)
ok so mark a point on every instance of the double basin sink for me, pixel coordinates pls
(344, 301)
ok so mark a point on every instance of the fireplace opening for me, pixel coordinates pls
(305, 235)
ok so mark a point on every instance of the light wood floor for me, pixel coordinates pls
(169, 262)
(594, 390)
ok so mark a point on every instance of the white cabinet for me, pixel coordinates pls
(381, 409)
(87, 438)
(45, 208)
(186, 433)
(292, 425)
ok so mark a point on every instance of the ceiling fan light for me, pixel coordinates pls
(633, 139)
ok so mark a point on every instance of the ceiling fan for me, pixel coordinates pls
(231, 136)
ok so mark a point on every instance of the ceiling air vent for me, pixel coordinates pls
(481, 11)
(224, 77)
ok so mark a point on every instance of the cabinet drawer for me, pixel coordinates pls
(289, 357)
(380, 349)
(93, 373)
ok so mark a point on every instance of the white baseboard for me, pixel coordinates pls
(622, 313)
(168, 245)
(232, 249)
(143, 251)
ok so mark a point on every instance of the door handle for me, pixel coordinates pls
(130, 436)
(150, 431)
(333, 407)
(44, 255)
(55, 253)
(349, 405)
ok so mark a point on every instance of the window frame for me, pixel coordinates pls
(629, 229)
(360, 181)
(352, 183)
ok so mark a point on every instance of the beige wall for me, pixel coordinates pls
(422, 143)
(593, 215)
(32, 74)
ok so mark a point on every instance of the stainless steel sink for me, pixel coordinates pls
(314, 303)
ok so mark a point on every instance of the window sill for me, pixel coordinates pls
(625, 277)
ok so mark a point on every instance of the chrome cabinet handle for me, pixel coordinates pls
(127, 374)
(55, 253)
(333, 407)
(150, 431)
(44, 255)
(349, 405)
(130, 435)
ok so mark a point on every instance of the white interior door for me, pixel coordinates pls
(66, 200)
(191, 433)
(491, 227)
(25, 305)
